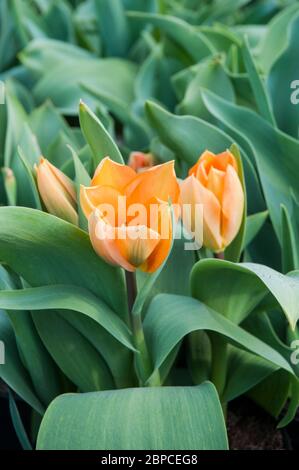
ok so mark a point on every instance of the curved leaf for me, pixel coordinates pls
(140, 418)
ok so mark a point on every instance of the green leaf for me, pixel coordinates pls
(282, 74)
(276, 38)
(68, 298)
(141, 418)
(183, 34)
(111, 17)
(13, 371)
(31, 240)
(17, 423)
(41, 369)
(63, 68)
(257, 85)
(171, 317)
(209, 74)
(243, 286)
(72, 352)
(289, 229)
(97, 137)
(254, 223)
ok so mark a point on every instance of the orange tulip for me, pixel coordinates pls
(57, 191)
(134, 236)
(214, 183)
(140, 161)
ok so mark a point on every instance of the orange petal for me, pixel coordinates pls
(232, 205)
(135, 244)
(110, 173)
(161, 251)
(222, 160)
(194, 193)
(216, 182)
(103, 239)
(159, 181)
(105, 198)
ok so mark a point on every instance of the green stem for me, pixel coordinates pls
(143, 361)
(219, 365)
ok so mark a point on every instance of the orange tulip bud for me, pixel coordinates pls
(128, 213)
(215, 184)
(57, 191)
(140, 161)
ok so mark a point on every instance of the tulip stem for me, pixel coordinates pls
(219, 364)
(143, 361)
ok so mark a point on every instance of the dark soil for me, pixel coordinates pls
(250, 428)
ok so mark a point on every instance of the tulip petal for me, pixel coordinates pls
(159, 181)
(216, 183)
(232, 205)
(110, 173)
(96, 196)
(135, 244)
(194, 193)
(162, 249)
(103, 239)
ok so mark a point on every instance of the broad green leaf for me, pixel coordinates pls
(281, 76)
(97, 137)
(171, 317)
(185, 35)
(140, 418)
(245, 371)
(72, 352)
(41, 369)
(31, 240)
(210, 74)
(63, 297)
(64, 68)
(13, 371)
(241, 287)
(276, 38)
(111, 17)
(254, 224)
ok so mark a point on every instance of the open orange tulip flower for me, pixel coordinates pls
(214, 183)
(57, 191)
(129, 215)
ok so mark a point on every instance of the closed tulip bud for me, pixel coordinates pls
(140, 161)
(128, 213)
(214, 183)
(57, 191)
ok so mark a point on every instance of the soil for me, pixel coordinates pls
(250, 428)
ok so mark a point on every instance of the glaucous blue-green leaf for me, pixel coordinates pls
(240, 287)
(140, 418)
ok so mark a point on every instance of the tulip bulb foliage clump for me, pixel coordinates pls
(148, 239)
